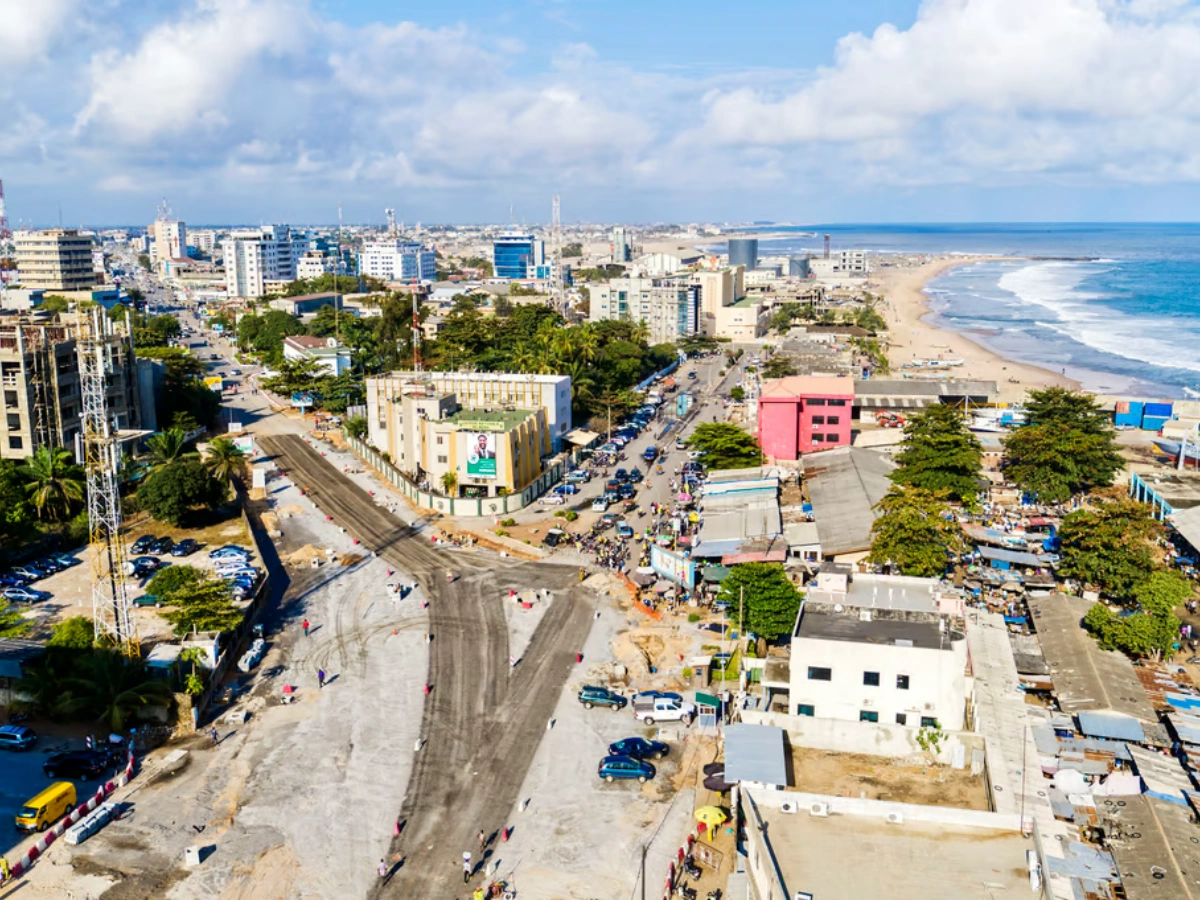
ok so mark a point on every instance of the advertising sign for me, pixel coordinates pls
(245, 443)
(481, 455)
(214, 382)
(673, 567)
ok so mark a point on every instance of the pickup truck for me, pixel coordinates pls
(662, 709)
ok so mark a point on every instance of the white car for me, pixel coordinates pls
(554, 500)
(600, 505)
(695, 454)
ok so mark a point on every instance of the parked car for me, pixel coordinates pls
(578, 477)
(186, 547)
(691, 374)
(12, 579)
(148, 600)
(142, 544)
(639, 748)
(147, 563)
(229, 551)
(66, 560)
(599, 505)
(81, 764)
(608, 520)
(613, 768)
(566, 490)
(626, 491)
(554, 500)
(591, 696)
(636, 476)
(621, 475)
(654, 695)
(161, 546)
(17, 737)
(23, 595)
(624, 529)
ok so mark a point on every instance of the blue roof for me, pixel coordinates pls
(1103, 723)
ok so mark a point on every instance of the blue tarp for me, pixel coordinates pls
(1114, 725)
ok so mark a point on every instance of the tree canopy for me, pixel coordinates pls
(940, 454)
(1108, 545)
(171, 492)
(204, 605)
(1067, 447)
(769, 602)
(725, 446)
(915, 532)
(54, 483)
(13, 623)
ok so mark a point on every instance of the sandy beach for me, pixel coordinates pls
(909, 337)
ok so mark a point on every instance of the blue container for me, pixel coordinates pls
(1129, 413)
(1159, 410)
(1150, 423)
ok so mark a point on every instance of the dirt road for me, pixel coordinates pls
(484, 719)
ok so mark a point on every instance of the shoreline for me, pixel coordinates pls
(905, 306)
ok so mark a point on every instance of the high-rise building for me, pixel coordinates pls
(169, 241)
(517, 256)
(314, 264)
(622, 251)
(669, 308)
(258, 255)
(717, 290)
(204, 240)
(743, 252)
(57, 260)
(398, 260)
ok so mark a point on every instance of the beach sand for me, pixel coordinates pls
(905, 305)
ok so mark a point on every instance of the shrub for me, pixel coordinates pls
(687, 672)
(500, 532)
(570, 515)
(693, 617)
(508, 523)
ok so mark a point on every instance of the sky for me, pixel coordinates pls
(245, 111)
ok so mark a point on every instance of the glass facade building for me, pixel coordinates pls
(743, 252)
(515, 256)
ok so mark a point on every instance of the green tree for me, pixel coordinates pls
(725, 446)
(1163, 592)
(13, 623)
(1139, 634)
(572, 250)
(1109, 546)
(112, 688)
(55, 303)
(356, 427)
(1067, 447)
(74, 633)
(173, 491)
(449, 483)
(940, 454)
(143, 260)
(16, 513)
(768, 601)
(204, 606)
(172, 579)
(167, 447)
(915, 532)
(778, 367)
(54, 483)
(224, 459)
(737, 392)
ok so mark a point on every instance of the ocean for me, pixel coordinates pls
(1116, 306)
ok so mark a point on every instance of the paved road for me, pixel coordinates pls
(484, 719)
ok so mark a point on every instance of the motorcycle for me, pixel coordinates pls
(694, 872)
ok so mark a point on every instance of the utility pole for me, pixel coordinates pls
(645, 847)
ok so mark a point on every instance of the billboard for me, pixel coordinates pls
(214, 383)
(673, 567)
(481, 455)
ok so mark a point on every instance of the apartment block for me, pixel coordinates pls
(718, 290)
(258, 255)
(56, 260)
(398, 260)
(669, 308)
(169, 242)
(204, 240)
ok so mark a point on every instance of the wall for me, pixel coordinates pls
(779, 427)
(457, 506)
(838, 736)
(881, 809)
(823, 408)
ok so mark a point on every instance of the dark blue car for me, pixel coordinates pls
(614, 768)
(639, 748)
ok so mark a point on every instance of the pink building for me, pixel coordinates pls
(805, 413)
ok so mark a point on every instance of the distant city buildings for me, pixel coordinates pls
(314, 264)
(204, 240)
(255, 256)
(519, 256)
(57, 259)
(669, 307)
(398, 260)
(718, 290)
(307, 304)
(327, 353)
(840, 264)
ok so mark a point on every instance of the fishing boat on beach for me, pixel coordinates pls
(1191, 454)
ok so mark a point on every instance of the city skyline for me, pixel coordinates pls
(892, 111)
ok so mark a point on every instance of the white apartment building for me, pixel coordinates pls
(314, 264)
(204, 240)
(257, 255)
(168, 241)
(475, 390)
(841, 264)
(327, 353)
(57, 259)
(718, 290)
(398, 260)
(670, 309)
(879, 649)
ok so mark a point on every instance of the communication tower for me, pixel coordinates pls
(391, 221)
(114, 625)
(556, 243)
(164, 211)
(4, 232)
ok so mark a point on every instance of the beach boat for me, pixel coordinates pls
(996, 420)
(1171, 449)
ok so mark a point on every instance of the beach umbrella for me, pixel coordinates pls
(711, 815)
(683, 496)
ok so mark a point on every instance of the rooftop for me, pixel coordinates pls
(748, 302)
(824, 623)
(808, 386)
(489, 420)
(1155, 845)
(881, 592)
(911, 393)
(755, 753)
(844, 486)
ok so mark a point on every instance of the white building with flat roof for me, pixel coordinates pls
(669, 308)
(254, 256)
(398, 260)
(890, 652)
(475, 390)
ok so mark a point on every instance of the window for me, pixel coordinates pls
(871, 679)
(837, 402)
(805, 709)
(818, 438)
(14, 421)
(441, 440)
(902, 682)
(868, 715)
(929, 722)
(14, 442)
(816, 401)
(818, 420)
(901, 718)
(443, 460)
(833, 420)
(816, 673)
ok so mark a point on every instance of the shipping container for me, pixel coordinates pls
(1153, 423)
(1129, 413)
(1158, 410)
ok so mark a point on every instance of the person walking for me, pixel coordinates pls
(304, 625)
(383, 869)
(482, 840)
(320, 678)
(466, 867)
(215, 735)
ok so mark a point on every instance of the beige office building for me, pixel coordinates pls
(55, 260)
(718, 290)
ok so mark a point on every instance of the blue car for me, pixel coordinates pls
(639, 748)
(613, 768)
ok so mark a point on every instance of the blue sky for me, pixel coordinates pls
(863, 111)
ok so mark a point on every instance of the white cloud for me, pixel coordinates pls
(29, 27)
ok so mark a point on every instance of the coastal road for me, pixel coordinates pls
(484, 719)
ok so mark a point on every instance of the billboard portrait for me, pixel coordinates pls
(481, 455)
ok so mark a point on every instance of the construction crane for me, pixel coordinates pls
(113, 621)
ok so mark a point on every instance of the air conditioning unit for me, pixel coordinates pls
(788, 807)
(895, 818)
(819, 809)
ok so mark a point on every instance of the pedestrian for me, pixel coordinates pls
(304, 625)
(320, 678)
(482, 839)
(466, 867)
(383, 869)
(215, 735)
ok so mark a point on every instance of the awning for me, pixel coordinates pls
(715, 574)
(581, 437)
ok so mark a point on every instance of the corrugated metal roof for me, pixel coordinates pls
(1164, 776)
(1107, 724)
(755, 753)
(1187, 728)
(1009, 556)
(844, 486)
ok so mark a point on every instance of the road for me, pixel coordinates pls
(484, 719)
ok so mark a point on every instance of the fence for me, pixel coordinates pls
(457, 506)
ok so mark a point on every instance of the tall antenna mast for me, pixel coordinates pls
(416, 308)
(4, 232)
(556, 243)
(391, 221)
(337, 274)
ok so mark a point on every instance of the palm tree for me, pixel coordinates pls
(55, 483)
(225, 459)
(167, 447)
(449, 483)
(111, 687)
